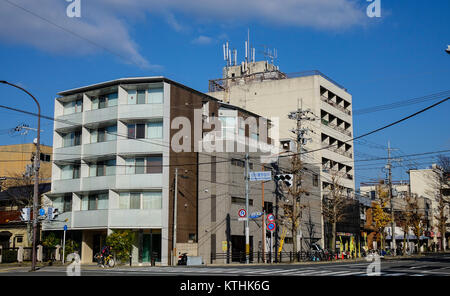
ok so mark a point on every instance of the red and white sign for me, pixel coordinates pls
(271, 226)
(242, 213)
(270, 218)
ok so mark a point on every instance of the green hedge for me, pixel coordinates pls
(9, 256)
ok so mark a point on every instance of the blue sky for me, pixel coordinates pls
(382, 60)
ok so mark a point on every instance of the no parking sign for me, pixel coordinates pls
(271, 226)
(242, 215)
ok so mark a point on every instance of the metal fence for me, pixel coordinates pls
(281, 257)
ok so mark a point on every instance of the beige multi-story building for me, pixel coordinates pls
(262, 88)
(16, 158)
(16, 189)
(432, 184)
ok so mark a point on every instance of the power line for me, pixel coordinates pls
(376, 130)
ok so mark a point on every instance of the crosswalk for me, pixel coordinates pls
(242, 271)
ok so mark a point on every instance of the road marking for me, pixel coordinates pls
(346, 273)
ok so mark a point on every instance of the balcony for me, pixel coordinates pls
(334, 149)
(139, 181)
(68, 121)
(339, 107)
(136, 111)
(100, 115)
(140, 146)
(337, 128)
(66, 185)
(122, 218)
(90, 219)
(67, 153)
(98, 149)
(98, 183)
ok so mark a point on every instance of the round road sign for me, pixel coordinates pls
(271, 226)
(271, 218)
(242, 213)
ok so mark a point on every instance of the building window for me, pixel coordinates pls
(45, 157)
(95, 202)
(155, 95)
(140, 200)
(63, 203)
(268, 207)
(73, 107)
(19, 239)
(136, 131)
(238, 162)
(72, 139)
(104, 134)
(372, 195)
(104, 101)
(70, 171)
(240, 200)
(155, 130)
(144, 165)
(103, 168)
(149, 96)
(315, 180)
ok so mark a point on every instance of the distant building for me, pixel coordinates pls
(16, 160)
(16, 189)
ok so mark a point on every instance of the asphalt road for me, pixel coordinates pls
(424, 266)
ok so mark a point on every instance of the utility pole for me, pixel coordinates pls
(174, 252)
(389, 167)
(36, 174)
(297, 167)
(247, 232)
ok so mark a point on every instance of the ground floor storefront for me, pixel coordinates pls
(145, 249)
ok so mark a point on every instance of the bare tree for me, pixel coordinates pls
(334, 206)
(416, 220)
(292, 206)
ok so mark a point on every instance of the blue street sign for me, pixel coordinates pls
(65, 227)
(41, 212)
(260, 176)
(256, 215)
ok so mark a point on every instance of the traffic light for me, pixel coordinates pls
(25, 214)
(286, 179)
(52, 213)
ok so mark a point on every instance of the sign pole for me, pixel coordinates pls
(64, 243)
(247, 232)
(263, 223)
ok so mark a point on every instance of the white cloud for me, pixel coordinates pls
(202, 40)
(44, 24)
(105, 24)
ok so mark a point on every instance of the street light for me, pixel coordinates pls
(36, 173)
(448, 49)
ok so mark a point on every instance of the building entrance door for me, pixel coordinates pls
(146, 247)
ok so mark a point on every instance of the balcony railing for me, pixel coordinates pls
(337, 150)
(337, 128)
(326, 100)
